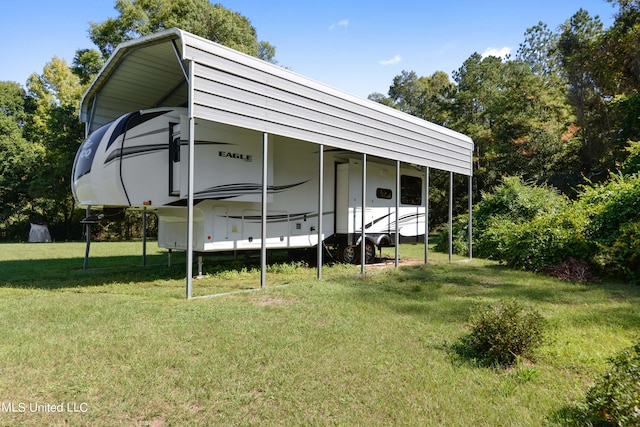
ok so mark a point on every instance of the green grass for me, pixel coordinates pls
(346, 350)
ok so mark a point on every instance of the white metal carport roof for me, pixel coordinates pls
(233, 88)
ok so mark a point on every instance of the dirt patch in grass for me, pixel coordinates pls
(270, 301)
(390, 262)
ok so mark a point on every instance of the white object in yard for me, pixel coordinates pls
(39, 234)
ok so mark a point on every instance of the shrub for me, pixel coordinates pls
(533, 228)
(526, 226)
(622, 257)
(615, 398)
(511, 203)
(503, 333)
(460, 236)
(517, 201)
(631, 164)
(610, 205)
(612, 210)
(546, 240)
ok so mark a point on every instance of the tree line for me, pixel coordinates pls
(563, 109)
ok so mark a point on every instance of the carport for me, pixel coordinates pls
(215, 83)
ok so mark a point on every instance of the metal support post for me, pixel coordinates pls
(397, 236)
(190, 183)
(263, 248)
(450, 216)
(363, 256)
(87, 230)
(426, 216)
(470, 217)
(144, 236)
(320, 206)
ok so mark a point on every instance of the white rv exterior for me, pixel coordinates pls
(138, 161)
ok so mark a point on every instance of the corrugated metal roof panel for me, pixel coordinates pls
(274, 117)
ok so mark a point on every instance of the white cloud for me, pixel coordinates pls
(445, 48)
(498, 52)
(391, 61)
(343, 23)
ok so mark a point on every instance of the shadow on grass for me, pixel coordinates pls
(575, 416)
(69, 272)
(462, 354)
(503, 282)
(617, 317)
(469, 280)
(447, 293)
(63, 273)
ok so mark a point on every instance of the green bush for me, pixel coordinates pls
(622, 257)
(503, 333)
(511, 203)
(544, 241)
(631, 164)
(610, 205)
(460, 236)
(517, 201)
(615, 398)
(612, 211)
(534, 228)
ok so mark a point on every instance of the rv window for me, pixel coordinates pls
(384, 193)
(120, 128)
(411, 190)
(87, 151)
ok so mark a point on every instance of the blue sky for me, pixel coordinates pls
(355, 45)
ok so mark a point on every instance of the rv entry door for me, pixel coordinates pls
(174, 159)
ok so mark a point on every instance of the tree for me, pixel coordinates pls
(86, 64)
(532, 136)
(519, 123)
(477, 82)
(426, 97)
(617, 72)
(406, 91)
(381, 99)
(618, 69)
(19, 160)
(55, 96)
(578, 46)
(438, 98)
(211, 21)
(540, 50)
(12, 113)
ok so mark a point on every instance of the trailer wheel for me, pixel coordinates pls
(347, 254)
(369, 252)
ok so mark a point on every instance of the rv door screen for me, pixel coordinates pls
(174, 159)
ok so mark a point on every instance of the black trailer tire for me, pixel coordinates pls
(369, 252)
(347, 254)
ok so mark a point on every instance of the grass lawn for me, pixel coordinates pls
(120, 345)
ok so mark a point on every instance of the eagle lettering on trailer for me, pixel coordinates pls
(239, 156)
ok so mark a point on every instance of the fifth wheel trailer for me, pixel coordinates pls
(138, 161)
